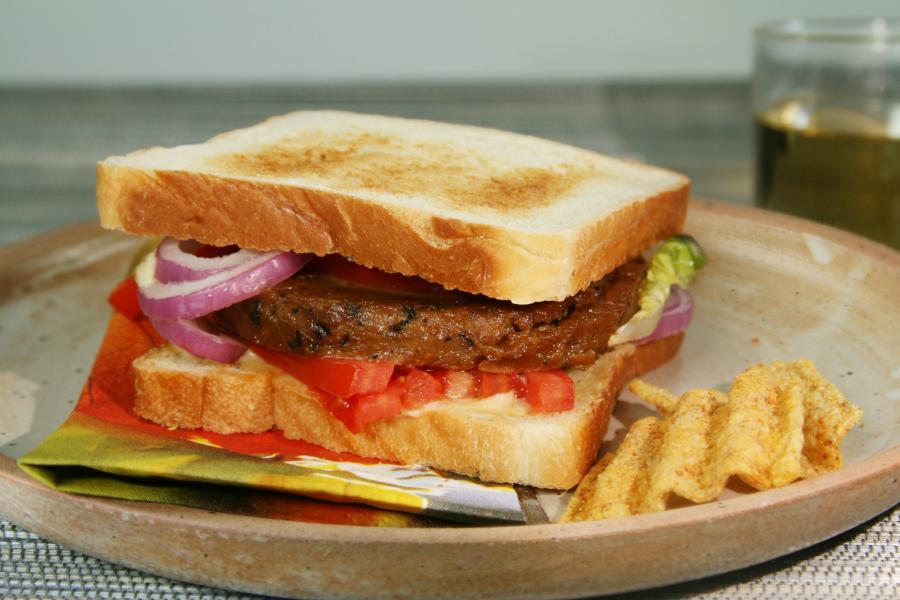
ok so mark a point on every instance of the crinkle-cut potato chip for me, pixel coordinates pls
(663, 401)
(779, 422)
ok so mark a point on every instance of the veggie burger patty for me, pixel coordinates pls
(315, 313)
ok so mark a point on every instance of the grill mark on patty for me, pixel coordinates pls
(466, 339)
(410, 314)
(296, 341)
(314, 314)
(256, 312)
(321, 330)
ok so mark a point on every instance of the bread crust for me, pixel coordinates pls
(551, 451)
(483, 249)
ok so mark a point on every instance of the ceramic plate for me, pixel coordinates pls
(776, 288)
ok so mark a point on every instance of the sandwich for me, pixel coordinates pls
(459, 297)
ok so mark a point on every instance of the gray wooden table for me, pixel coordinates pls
(50, 140)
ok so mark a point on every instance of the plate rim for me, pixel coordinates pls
(793, 223)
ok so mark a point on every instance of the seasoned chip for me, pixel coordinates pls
(662, 401)
(779, 422)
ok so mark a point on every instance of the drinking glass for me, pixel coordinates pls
(826, 104)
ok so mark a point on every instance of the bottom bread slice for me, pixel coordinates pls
(175, 389)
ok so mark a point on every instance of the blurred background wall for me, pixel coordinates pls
(228, 41)
(662, 81)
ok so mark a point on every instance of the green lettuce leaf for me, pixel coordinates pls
(675, 262)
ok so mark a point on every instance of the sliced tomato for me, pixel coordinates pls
(490, 384)
(124, 299)
(420, 387)
(340, 408)
(549, 391)
(520, 385)
(338, 266)
(366, 409)
(342, 377)
(358, 412)
(457, 384)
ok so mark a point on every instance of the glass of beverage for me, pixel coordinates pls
(826, 103)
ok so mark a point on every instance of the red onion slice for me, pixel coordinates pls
(192, 299)
(677, 313)
(197, 337)
(175, 262)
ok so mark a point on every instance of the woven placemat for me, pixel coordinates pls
(861, 563)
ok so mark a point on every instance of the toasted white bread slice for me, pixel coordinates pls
(552, 451)
(509, 216)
